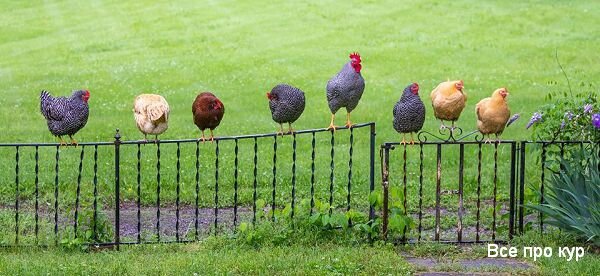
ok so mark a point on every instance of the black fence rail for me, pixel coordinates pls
(477, 194)
(131, 192)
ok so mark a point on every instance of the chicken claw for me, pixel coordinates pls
(331, 125)
(62, 142)
(212, 136)
(290, 129)
(348, 123)
(202, 138)
(73, 141)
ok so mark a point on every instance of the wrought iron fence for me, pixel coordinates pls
(118, 209)
(480, 198)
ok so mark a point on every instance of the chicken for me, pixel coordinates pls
(448, 100)
(493, 113)
(151, 114)
(409, 112)
(208, 111)
(345, 89)
(287, 104)
(65, 116)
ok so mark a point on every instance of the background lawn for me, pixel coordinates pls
(239, 50)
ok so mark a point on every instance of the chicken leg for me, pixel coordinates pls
(403, 142)
(412, 140)
(442, 125)
(331, 125)
(290, 129)
(280, 131)
(62, 141)
(202, 138)
(212, 136)
(348, 123)
(73, 141)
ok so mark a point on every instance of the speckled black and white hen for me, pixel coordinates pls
(287, 104)
(409, 112)
(65, 116)
(345, 89)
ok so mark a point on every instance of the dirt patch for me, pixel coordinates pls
(431, 266)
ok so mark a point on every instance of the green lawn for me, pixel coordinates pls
(239, 50)
(212, 257)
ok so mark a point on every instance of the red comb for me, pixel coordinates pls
(355, 55)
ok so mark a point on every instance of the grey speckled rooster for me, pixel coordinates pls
(65, 116)
(345, 89)
(287, 104)
(409, 112)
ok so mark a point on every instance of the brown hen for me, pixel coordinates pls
(493, 113)
(208, 111)
(448, 100)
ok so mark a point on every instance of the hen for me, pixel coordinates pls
(151, 114)
(493, 113)
(409, 112)
(287, 104)
(448, 100)
(65, 116)
(208, 111)
(345, 89)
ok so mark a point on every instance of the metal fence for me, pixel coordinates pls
(480, 189)
(443, 188)
(42, 217)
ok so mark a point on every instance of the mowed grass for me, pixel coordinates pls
(239, 50)
(211, 257)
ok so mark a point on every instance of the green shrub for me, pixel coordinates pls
(572, 198)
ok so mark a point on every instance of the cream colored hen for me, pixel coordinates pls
(493, 113)
(151, 114)
(448, 101)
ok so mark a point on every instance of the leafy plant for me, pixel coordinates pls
(568, 115)
(572, 200)
(85, 233)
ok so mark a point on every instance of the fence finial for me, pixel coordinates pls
(117, 136)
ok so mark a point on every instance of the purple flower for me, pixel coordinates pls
(588, 108)
(562, 124)
(596, 120)
(534, 119)
(513, 119)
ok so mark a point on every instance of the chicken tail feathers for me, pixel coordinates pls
(513, 119)
(157, 111)
(45, 103)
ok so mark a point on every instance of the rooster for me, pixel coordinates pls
(493, 114)
(345, 89)
(287, 104)
(448, 100)
(409, 112)
(208, 111)
(151, 114)
(65, 116)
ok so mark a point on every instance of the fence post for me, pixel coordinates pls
(511, 219)
(385, 183)
(372, 170)
(117, 188)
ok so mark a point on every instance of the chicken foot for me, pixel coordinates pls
(290, 129)
(411, 141)
(331, 125)
(212, 136)
(202, 138)
(348, 123)
(280, 131)
(62, 142)
(73, 141)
